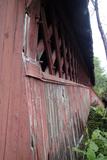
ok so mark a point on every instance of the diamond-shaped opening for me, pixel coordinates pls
(56, 66)
(44, 61)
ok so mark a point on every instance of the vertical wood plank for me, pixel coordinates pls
(33, 28)
(12, 86)
(4, 92)
(8, 45)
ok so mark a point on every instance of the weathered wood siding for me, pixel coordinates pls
(39, 120)
(14, 122)
(58, 114)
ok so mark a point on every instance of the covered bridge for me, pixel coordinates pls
(46, 75)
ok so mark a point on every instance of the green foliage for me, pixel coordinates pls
(97, 119)
(94, 144)
(100, 79)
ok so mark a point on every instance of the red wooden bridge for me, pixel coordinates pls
(45, 80)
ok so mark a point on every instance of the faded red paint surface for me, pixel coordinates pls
(41, 116)
(14, 123)
(58, 114)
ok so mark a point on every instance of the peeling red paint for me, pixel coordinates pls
(41, 116)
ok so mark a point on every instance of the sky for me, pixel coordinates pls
(98, 47)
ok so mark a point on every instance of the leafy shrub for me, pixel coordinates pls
(97, 119)
(94, 144)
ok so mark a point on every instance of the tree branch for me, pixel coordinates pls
(103, 36)
(93, 2)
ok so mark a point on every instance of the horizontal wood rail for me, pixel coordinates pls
(34, 71)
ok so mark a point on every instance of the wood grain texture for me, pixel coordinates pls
(39, 119)
(13, 125)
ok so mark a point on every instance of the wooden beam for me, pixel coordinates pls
(47, 40)
(33, 11)
(64, 52)
(69, 59)
(57, 45)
